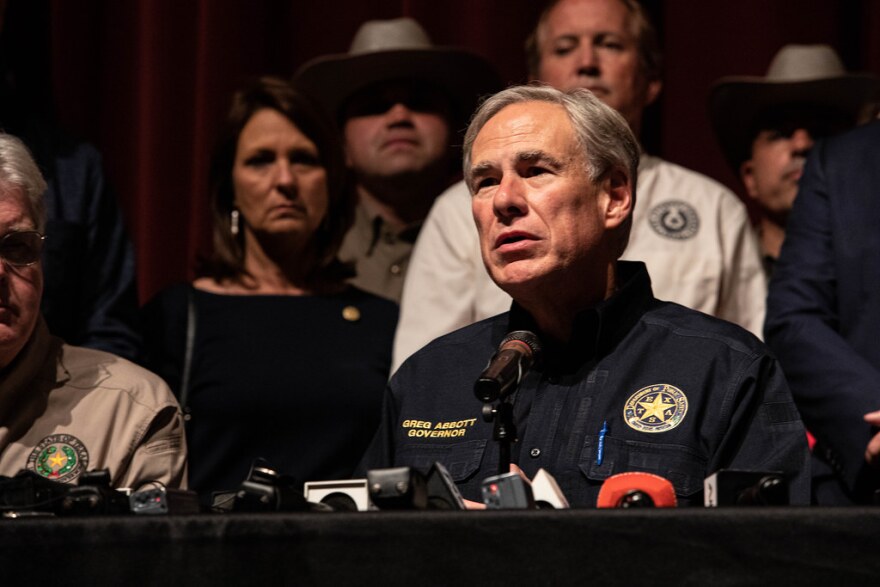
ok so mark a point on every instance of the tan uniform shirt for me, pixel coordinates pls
(65, 410)
(380, 254)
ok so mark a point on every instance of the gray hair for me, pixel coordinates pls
(606, 141)
(19, 170)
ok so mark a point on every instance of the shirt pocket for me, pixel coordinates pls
(684, 467)
(461, 459)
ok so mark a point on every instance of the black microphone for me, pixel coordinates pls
(729, 487)
(516, 354)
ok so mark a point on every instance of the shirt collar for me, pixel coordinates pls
(32, 370)
(378, 229)
(599, 329)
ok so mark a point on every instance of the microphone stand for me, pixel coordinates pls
(500, 381)
(504, 431)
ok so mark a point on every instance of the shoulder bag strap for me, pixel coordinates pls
(188, 352)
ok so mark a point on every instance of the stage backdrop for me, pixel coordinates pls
(148, 81)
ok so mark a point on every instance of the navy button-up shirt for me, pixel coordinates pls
(680, 394)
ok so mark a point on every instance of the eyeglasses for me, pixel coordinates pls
(21, 248)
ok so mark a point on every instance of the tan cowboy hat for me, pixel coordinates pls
(398, 49)
(806, 75)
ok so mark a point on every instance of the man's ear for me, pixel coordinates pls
(620, 198)
(747, 175)
(653, 90)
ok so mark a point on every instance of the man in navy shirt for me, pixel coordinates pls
(667, 390)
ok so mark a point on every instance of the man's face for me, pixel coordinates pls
(538, 214)
(396, 129)
(20, 287)
(591, 44)
(771, 176)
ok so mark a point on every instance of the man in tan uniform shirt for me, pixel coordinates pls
(65, 410)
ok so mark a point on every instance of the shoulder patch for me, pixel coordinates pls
(674, 219)
(655, 408)
(59, 457)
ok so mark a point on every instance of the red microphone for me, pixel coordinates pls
(636, 489)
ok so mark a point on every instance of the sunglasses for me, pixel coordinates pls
(819, 122)
(379, 100)
(22, 248)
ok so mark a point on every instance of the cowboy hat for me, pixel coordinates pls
(398, 49)
(799, 75)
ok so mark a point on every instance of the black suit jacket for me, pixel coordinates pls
(823, 310)
(89, 292)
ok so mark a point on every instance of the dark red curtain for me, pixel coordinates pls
(148, 81)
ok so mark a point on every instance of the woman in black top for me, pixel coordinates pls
(287, 362)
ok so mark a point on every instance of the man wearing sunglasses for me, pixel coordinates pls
(398, 100)
(65, 410)
(767, 125)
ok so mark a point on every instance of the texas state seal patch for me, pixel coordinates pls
(655, 408)
(59, 457)
(674, 219)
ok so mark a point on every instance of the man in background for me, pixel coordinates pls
(399, 101)
(767, 125)
(66, 410)
(823, 313)
(89, 296)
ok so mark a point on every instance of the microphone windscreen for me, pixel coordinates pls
(547, 492)
(618, 488)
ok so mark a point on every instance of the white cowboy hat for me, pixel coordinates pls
(398, 49)
(802, 75)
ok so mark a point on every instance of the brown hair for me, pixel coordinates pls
(227, 260)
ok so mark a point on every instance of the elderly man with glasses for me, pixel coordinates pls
(65, 410)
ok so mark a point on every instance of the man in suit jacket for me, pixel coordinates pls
(823, 313)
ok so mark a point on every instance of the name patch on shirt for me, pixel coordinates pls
(674, 219)
(444, 429)
(59, 457)
(655, 408)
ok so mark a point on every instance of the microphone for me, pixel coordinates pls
(515, 356)
(344, 495)
(729, 487)
(636, 489)
(547, 493)
(507, 491)
(406, 488)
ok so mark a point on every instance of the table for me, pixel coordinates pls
(745, 546)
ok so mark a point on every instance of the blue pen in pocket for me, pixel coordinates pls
(600, 453)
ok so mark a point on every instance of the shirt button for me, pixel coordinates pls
(395, 269)
(535, 452)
